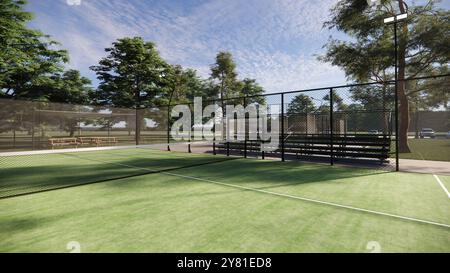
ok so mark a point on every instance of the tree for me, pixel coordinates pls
(376, 101)
(133, 74)
(224, 72)
(301, 104)
(69, 87)
(423, 45)
(250, 88)
(30, 68)
(27, 59)
(338, 102)
(185, 85)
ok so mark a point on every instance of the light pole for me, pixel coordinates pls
(394, 20)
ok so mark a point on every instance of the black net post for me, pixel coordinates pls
(331, 128)
(282, 127)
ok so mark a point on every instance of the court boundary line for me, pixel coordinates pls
(442, 185)
(331, 204)
(316, 201)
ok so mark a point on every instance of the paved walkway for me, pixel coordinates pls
(425, 166)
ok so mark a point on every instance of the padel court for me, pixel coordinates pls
(150, 200)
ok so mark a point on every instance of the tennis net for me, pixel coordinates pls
(25, 173)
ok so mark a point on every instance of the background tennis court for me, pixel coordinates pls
(142, 200)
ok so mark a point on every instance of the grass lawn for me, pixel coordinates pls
(428, 149)
(241, 205)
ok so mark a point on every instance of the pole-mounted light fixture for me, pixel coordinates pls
(395, 18)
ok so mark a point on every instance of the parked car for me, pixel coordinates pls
(427, 132)
(448, 134)
(373, 132)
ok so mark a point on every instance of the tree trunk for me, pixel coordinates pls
(416, 122)
(223, 108)
(137, 93)
(72, 131)
(403, 99)
(385, 115)
(403, 107)
(138, 126)
(14, 137)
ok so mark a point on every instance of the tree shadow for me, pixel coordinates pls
(77, 169)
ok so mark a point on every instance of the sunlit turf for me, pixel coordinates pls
(164, 213)
(428, 149)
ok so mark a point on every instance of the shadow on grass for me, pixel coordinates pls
(16, 181)
(15, 225)
(75, 170)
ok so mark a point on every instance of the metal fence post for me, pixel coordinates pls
(214, 131)
(33, 126)
(282, 127)
(225, 128)
(39, 129)
(190, 135)
(245, 130)
(168, 128)
(396, 99)
(258, 129)
(331, 128)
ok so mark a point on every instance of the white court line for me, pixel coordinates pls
(290, 196)
(104, 148)
(85, 149)
(442, 185)
(313, 200)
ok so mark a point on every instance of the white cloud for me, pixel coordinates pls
(272, 41)
(73, 2)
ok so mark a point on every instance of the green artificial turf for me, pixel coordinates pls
(428, 149)
(174, 212)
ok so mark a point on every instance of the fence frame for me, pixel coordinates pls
(393, 117)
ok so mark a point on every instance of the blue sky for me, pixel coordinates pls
(273, 41)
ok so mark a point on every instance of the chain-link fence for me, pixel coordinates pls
(428, 113)
(343, 124)
(28, 125)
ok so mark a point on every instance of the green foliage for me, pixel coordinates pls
(250, 88)
(27, 59)
(224, 71)
(423, 40)
(185, 84)
(301, 104)
(132, 74)
(69, 87)
(373, 97)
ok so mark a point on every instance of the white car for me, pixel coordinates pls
(427, 132)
